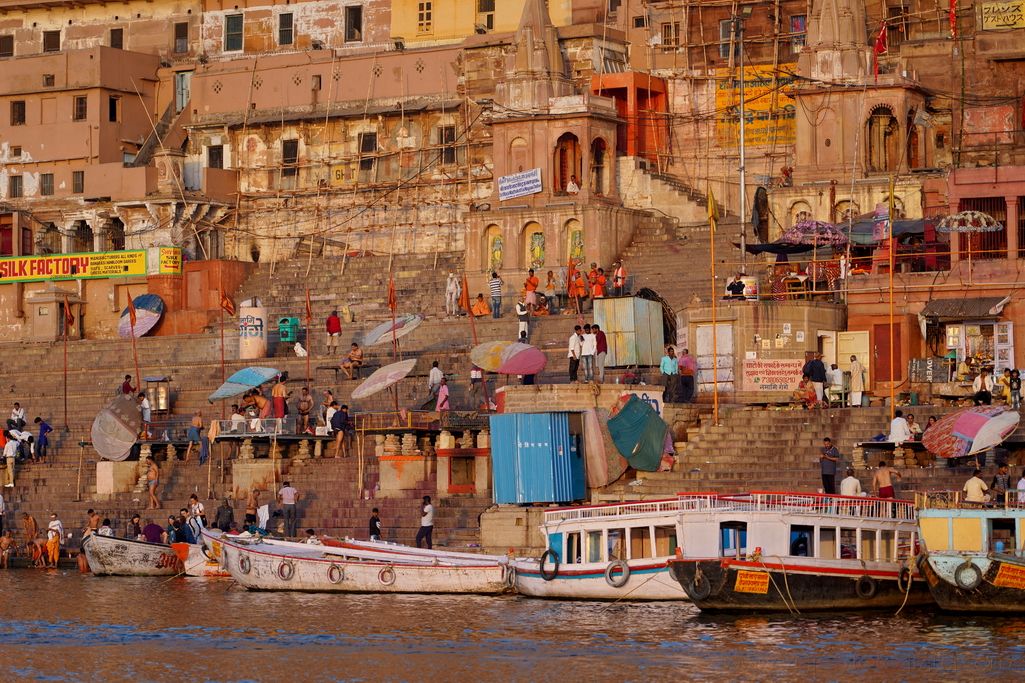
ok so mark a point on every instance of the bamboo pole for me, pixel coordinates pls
(712, 211)
(889, 236)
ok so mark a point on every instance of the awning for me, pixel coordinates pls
(957, 310)
(862, 230)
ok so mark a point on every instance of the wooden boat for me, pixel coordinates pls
(198, 561)
(973, 556)
(260, 564)
(608, 552)
(110, 556)
(768, 551)
(388, 547)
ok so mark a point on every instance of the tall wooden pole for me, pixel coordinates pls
(893, 246)
(67, 314)
(135, 351)
(712, 211)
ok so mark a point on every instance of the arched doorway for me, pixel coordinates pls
(600, 175)
(82, 238)
(566, 164)
(493, 249)
(534, 245)
(116, 235)
(883, 137)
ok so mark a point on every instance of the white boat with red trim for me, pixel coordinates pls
(112, 556)
(262, 564)
(616, 551)
(769, 551)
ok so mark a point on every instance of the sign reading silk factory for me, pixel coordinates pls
(87, 265)
(769, 108)
(519, 184)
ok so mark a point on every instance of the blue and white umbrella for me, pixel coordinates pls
(242, 381)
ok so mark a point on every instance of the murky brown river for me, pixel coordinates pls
(61, 626)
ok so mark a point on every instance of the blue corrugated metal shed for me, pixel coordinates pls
(536, 459)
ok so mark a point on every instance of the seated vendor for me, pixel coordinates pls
(480, 307)
(805, 393)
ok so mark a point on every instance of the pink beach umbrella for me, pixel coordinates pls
(970, 431)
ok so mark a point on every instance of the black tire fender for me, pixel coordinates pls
(904, 580)
(554, 557)
(968, 576)
(865, 587)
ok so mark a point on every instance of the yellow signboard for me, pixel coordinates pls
(769, 108)
(170, 261)
(83, 266)
(1009, 576)
(751, 582)
(998, 16)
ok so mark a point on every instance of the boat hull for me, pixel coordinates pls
(646, 581)
(820, 585)
(1000, 582)
(109, 556)
(263, 569)
(198, 564)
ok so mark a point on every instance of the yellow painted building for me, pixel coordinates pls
(446, 21)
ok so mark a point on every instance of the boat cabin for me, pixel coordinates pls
(599, 534)
(801, 525)
(947, 526)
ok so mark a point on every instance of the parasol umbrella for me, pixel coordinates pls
(522, 359)
(116, 428)
(488, 356)
(242, 381)
(970, 431)
(969, 222)
(148, 310)
(403, 325)
(383, 377)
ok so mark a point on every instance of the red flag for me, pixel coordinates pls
(309, 307)
(880, 48)
(953, 18)
(227, 304)
(464, 297)
(131, 312)
(69, 317)
(392, 302)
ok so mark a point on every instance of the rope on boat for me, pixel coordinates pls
(791, 605)
(911, 581)
(624, 596)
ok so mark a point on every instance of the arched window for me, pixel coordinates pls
(883, 147)
(566, 164)
(845, 211)
(800, 211)
(82, 239)
(493, 251)
(574, 241)
(518, 157)
(116, 235)
(534, 245)
(599, 167)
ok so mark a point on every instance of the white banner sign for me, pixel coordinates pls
(519, 184)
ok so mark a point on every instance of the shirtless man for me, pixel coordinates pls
(354, 360)
(252, 504)
(6, 548)
(92, 525)
(195, 428)
(152, 482)
(882, 482)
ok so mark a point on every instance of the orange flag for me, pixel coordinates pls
(309, 307)
(464, 297)
(392, 302)
(69, 317)
(227, 304)
(131, 312)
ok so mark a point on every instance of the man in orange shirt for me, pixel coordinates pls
(578, 290)
(531, 284)
(598, 286)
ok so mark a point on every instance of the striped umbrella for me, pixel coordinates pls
(970, 431)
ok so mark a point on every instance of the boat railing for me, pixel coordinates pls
(254, 426)
(953, 500)
(682, 503)
(856, 507)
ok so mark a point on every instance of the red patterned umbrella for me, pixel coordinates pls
(814, 233)
(970, 431)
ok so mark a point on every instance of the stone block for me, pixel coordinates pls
(263, 475)
(509, 526)
(115, 477)
(400, 474)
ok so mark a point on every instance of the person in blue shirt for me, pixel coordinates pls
(670, 375)
(42, 441)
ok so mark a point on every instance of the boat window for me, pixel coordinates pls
(594, 546)
(665, 541)
(574, 552)
(905, 545)
(733, 536)
(886, 546)
(827, 543)
(617, 544)
(802, 539)
(868, 544)
(848, 544)
(1001, 535)
(640, 542)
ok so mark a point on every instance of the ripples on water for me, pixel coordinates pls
(66, 627)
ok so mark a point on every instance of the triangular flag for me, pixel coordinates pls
(309, 307)
(713, 209)
(131, 311)
(227, 304)
(69, 317)
(392, 302)
(464, 297)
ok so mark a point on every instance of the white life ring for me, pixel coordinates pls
(386, 576)
(286, 570)
(617, 580)
(336, 574)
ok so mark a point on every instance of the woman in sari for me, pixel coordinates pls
(804, 395)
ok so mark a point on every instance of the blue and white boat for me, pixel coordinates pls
(617, 551)
(973, 555)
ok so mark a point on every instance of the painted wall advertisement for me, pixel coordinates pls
(83, 266)
(769, 110)
(998, 16)
(772, 375)
(170, 261)
(519, 184)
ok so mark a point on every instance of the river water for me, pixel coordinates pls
(62, 626)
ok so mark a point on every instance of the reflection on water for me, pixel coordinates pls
(67, 627)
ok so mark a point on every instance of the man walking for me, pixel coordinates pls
(670, 369)
(287, 498)
(588, 350)
(42, 440)
(426, 523)
(828, 457)
(341, 425)
(575, 344)
(816, 371)
(304, 406)
(452, 291)
(857, 382)
(434, 378)
(10, 456)
(602, 348)
(688, 370)
(375, 525)
(495, 288)
(333, 325)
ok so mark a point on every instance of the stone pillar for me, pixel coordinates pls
(99, 228)
(245, 451)
(955, 254)
(1012, 227)
(67, 232)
